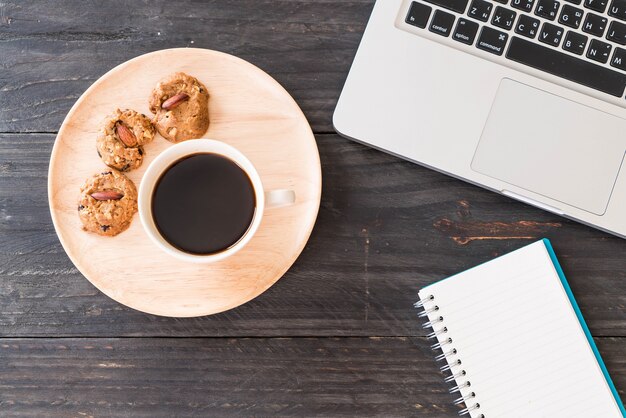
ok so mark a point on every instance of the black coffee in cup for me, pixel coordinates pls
(203, 204)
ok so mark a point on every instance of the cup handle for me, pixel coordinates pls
(278, 198)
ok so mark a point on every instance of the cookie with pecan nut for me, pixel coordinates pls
(180, 104)
(107, 203)
(121, 140)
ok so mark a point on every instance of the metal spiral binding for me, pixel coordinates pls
(448, 353)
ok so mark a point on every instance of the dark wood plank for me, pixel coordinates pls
(53, 50)
(232, 377)
(385, 228)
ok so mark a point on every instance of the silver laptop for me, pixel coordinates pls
(523, 97)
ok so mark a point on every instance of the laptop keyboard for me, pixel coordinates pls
(583, 41)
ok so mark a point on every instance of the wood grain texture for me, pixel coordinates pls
(386, 377)
(385, 229)
(249, 111)
(379, 237)
(53, 50)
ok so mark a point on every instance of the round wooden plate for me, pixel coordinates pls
(249, 110)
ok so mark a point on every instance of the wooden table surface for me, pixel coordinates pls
(337, 335)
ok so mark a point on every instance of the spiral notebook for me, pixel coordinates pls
(513, 343)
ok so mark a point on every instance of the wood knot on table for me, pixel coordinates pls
(464, 232)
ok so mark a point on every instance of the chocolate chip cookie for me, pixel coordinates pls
(107, 204)
(120, 142)
(181, 107)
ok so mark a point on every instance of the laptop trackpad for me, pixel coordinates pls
(552, 146)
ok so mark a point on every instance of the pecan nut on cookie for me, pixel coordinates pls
(121, 139)
(107, 203)
(180, 104)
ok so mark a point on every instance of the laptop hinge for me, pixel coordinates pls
(533, 202)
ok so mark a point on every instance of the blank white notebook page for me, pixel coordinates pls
(519, 340)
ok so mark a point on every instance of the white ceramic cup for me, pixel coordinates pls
(181, 150)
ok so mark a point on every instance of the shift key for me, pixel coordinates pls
(454, 5)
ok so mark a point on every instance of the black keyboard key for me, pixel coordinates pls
(503, 18)
(480, 10)
(619, 59)
(575, 42)
(492, 40)
(547, 9)
(571, 16)
(618, 9)
(551, 34)
(599, 51)
(503, 1)
(465, 31)
(575, 1)
(525, 5)
(454, 5)
(527, 26)
(566, 66)
(617, 33)
(594, 24)
(442, 23)
(418, 15)
(597, 5)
